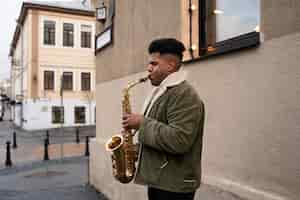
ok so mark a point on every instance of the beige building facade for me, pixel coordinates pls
(250, 85)
(53, 48)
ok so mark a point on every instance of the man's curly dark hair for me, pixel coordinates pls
(167, 46)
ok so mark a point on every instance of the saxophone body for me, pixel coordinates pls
(124, 152)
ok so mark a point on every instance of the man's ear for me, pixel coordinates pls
(172, 65)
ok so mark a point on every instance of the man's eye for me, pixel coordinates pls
(153, 63)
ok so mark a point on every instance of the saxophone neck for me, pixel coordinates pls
(126, 100)
(134, 83)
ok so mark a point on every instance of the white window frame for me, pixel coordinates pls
(57, 25)
(92, 34)
(75, 43)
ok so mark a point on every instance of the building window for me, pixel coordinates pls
(79, 114)
(86, 35)
(85, 81)
(68, 35)
(48, 80)
(234, 18)
(49, 32)
(67, 81)
(57, 114)
(226, 25)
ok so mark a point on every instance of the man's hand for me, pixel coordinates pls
(132, 121)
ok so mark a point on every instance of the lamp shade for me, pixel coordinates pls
(101, 13)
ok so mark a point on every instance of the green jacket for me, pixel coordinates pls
(171, 141)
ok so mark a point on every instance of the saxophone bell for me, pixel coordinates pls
(114, 143)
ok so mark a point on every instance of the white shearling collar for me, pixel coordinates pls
(174, 79)
(171, 80)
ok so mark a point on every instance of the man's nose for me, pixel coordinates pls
(149, 68)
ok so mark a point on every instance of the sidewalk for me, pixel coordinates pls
(58, 179)
(63, 179)
(52, 180)
(67, 180)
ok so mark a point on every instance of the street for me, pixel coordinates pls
(64, 176)
(49, 180)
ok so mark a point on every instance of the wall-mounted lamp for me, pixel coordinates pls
(218, 12)
(194, 47)
(257, 28)
(192, 8)
(101, 13)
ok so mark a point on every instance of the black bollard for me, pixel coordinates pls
(46, 155)
(77, 136)
(47, 137)
(15, 140)
(8, 162)
(87, 151)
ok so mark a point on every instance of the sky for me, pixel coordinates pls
(9, 12)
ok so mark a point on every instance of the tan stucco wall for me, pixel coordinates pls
(135, 24)
(38, 57)
(252, 124)
(65, 59)
(252, 128)
(279, 17)
(76, 93)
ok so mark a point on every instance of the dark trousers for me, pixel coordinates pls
(157, 194)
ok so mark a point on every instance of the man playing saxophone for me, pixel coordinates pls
(170, 131)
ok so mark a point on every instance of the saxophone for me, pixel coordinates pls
(124, 153)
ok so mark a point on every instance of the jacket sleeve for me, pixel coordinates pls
(177, 136)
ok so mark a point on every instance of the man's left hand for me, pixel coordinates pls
(132, 121)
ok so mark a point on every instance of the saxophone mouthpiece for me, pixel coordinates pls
(144, 79)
